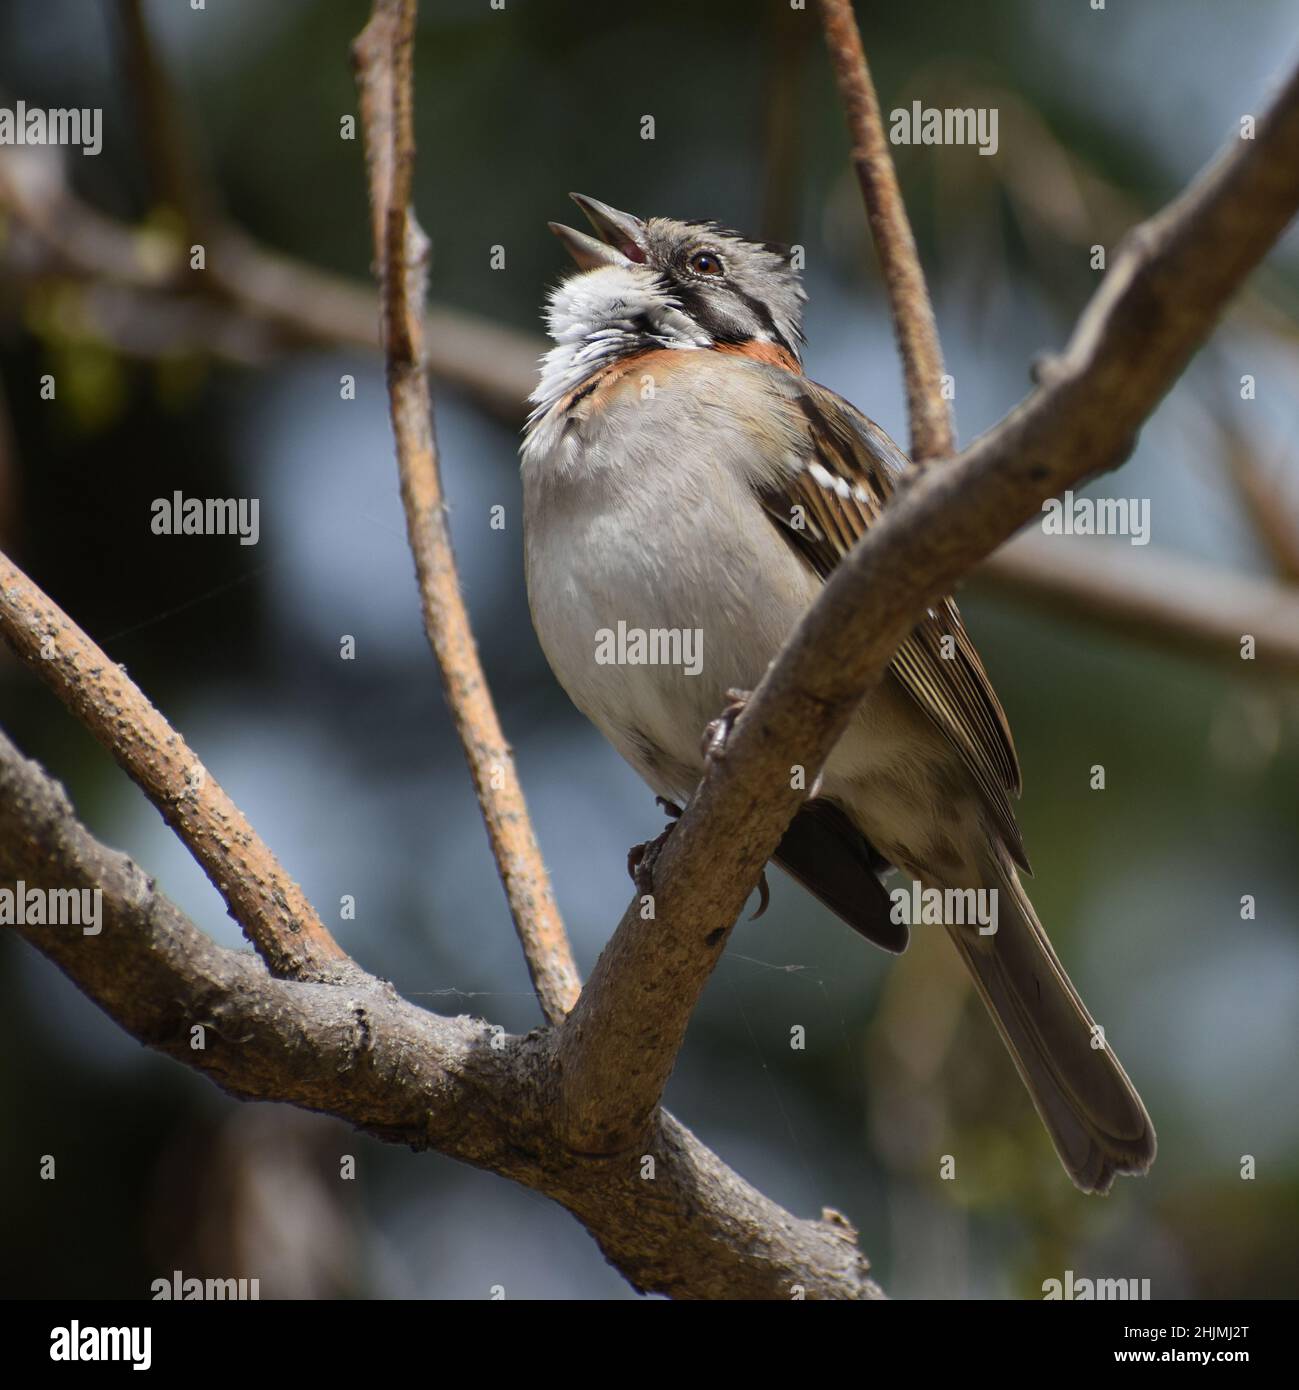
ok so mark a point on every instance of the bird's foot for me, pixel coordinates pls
(719, 730)
(642, 858)
(718, 733)
(716, 736)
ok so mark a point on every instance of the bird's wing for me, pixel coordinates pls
(847, 470)
(832, 859)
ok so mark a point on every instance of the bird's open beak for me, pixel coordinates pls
(585, 250)
(622, 235)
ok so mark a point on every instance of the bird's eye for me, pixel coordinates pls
(706, 263)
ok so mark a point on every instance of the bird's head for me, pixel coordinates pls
(731, 290)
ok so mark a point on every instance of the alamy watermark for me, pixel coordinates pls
(928, 125)
(947, 907)
(181, 1288)
(1080, 1290)
(77, 1343)
(37, 125)
(21, 906)
(179, 515)
(1097, 516)
(653, 646)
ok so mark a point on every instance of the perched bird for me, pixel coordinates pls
(682, 475)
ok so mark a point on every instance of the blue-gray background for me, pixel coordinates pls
(350, 769)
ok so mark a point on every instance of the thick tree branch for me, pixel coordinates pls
(262, 898)
(684, 1225)
(930, 415)
(1169, 283)
(384, 56)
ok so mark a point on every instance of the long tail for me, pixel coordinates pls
(1091, 1110)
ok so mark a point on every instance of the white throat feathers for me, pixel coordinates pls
(600, 315)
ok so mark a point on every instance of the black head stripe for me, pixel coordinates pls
(697, 304)
(762, 313)
(703, 304)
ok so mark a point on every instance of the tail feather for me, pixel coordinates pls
(1091, 1110)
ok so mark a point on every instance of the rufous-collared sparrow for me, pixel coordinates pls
(684, 479)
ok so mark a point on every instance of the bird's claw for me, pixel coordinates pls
(642, 858)
(719, 730)
(764, 897)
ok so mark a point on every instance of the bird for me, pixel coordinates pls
(683, 478)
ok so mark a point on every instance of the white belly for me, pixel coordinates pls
(682, 560)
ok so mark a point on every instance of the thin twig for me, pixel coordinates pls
(162, 128)
(1263, 498)
(785, 37)
(383, 55)
(932, 435)
(262, 898)
(1165, 290)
